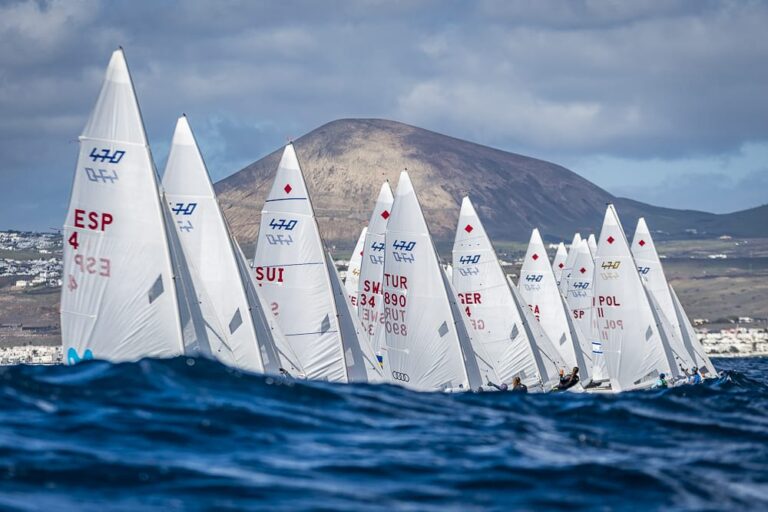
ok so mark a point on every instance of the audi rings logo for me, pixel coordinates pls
(401, 376)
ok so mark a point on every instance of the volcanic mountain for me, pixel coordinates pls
(345, 162)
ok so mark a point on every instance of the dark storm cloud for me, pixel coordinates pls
(633, 80)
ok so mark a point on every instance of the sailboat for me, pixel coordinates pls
(580, 298)
(127, 292)
(566, 272)
(539, 289)
(627, 326)
(686, 347)
(427, 345)
(239, 330)
(370, 308)
(352, 280)
(300, 282)
(558, 263)
(494, 311)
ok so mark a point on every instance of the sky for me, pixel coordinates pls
(664, 102)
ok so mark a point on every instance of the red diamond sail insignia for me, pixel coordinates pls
(610, 239)
(561, 265)
(468, 228)
(385, 214)
(641, 243)
(535, 256)
(288, 188)
(582, 270)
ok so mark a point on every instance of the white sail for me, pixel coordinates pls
(538, 288)
(353, 269)
(558, 263)
(359, 358)
(652, 274)
(221, 281)
(691, 340)
(370, 307)
(566, 273)
(290, 270)
(120, 300)
(548, 359)
(592, 244)
(422, 346)
(492, 314)
(630, 338)
(580, 298)
(448, 270)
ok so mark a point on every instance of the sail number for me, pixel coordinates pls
(96, 221)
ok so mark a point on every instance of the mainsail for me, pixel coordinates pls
(650, 269)
(292, 273)
(424, 349)
(370, 307)
(493, 315)
(592, 245)
(359, 357)
(558, 263)
(566, 274)
(353, 269)
(630, 337)
(237, 327)
(580, 298)
(120, 300)
(691, 340)
(538, 288)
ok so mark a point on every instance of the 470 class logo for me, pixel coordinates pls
(287, 225)
(105, 155)
(470, 260)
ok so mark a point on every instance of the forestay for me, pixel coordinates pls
(631, 341)
(493, 316)
(651, 271)
(370, 307)
(538, 288)
(237, 328)
(352, 280)
(120, 300)
(422, 346)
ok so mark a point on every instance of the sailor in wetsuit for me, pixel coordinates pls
(567, 382)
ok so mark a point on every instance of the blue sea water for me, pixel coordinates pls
(192, 435)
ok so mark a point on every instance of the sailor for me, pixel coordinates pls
(661, 382)
(570, 380)
(502, 387)
(518, 386)
(695, 377)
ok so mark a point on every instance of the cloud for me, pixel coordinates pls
(639, 82)
(718, 193)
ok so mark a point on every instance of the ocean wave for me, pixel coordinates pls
(188, 434)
